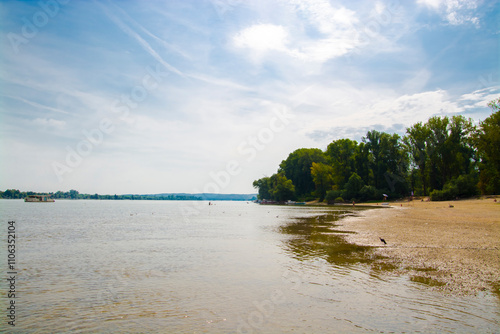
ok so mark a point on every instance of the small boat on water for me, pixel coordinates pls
(39, 198)
(295, 203)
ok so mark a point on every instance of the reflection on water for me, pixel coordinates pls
(316, 237)
(185, 267)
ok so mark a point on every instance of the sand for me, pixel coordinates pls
(452, 245)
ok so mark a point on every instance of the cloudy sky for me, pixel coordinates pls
(208, 95)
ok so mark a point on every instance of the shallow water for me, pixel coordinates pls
(174, 267)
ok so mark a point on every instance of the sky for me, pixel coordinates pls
(145, 97)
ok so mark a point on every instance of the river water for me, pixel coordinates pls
(233, 267)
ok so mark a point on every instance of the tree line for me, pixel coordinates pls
(444, 158)
(74, 194)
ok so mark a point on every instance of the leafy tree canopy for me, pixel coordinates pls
(446, 156)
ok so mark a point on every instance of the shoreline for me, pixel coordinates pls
(451, 245)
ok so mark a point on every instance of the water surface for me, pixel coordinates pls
(187, 267)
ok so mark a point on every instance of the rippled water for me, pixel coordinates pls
(233, 267)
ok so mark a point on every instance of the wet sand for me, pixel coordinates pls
(453, 245)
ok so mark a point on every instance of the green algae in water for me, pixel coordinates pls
(496, 288)
(421, 269)
(383, 266)
(426, 280)
(317, 237)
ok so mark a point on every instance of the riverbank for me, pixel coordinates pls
(453, 245)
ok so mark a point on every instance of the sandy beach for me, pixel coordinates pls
(453, 245)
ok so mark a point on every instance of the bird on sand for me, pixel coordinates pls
(385, 243)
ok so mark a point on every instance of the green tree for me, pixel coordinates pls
(393, 163)
(264, 188)
(368, 193)
(372, 142)
(362, 163)
(416, 144)
(462, 186)
(449, 149)
(282, 189)
(387, 160)
(353, 186)
(12, 194)
(342, 156)
(461, 145)
(487, 142)
(322, 175)
(297, 168)
(73, 194)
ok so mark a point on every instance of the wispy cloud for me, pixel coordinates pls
(395, 114)
(144, 44)
(385, 111)
(340, 67)
(37, 105)
(455, 12)
(479, 99)
(49, 123)
(325, 32)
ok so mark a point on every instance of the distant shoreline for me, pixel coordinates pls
(452, 245)
(75, 195)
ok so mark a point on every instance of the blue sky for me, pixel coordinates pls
(206, 96)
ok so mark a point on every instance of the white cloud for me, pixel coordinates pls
(335, 35)
(380, 8)
(479, 98)
(194, 122)
(49, 123)
(262, 37)
(431, 3)
(456, 12)
(409, 109)
(37, 105)
(385, 111)
(376, 109)
(327, 19)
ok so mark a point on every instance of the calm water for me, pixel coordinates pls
(234, 267)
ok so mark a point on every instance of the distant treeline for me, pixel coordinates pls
(73, 194)
(445, 158)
